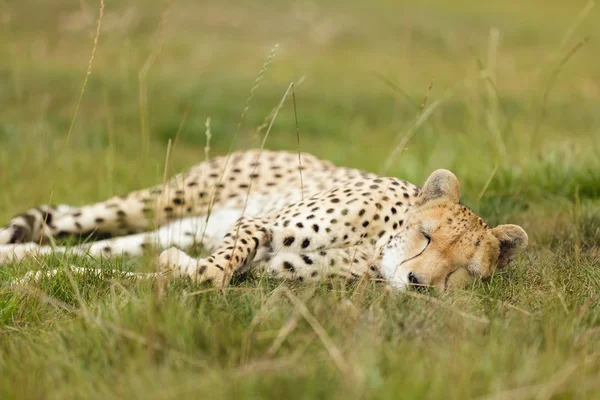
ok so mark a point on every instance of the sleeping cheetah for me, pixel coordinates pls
(288, 214)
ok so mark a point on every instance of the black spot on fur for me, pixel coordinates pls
(307, 260)
(19, 234)
(288, 266)
(47, 217)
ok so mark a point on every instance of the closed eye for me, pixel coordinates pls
(421, 252)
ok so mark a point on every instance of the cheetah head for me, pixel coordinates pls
(444, 244)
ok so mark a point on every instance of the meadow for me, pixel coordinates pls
(504, 94)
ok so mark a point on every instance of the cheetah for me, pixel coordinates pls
(290, 215)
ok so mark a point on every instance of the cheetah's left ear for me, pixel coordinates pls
(512, 238)
(441, 184)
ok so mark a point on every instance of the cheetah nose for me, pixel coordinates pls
(414, 281)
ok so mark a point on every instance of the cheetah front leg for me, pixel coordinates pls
(235, 254)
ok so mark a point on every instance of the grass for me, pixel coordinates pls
(517, 122)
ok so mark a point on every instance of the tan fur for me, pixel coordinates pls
(297, 222)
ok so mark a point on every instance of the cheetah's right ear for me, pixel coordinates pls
(441, 184)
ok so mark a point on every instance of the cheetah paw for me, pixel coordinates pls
(175, 263)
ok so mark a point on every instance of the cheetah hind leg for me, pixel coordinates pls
(237, 249)
(182, 233)
(186, 233)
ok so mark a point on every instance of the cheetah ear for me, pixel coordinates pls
(512, 238)
(441, 184)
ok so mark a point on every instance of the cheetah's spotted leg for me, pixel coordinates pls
(183, 234)
(234, 255)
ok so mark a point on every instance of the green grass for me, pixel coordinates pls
(524, 143)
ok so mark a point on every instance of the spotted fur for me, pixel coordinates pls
(293, 216)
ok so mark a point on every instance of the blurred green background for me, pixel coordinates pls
(363, 70)
(506, 94)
